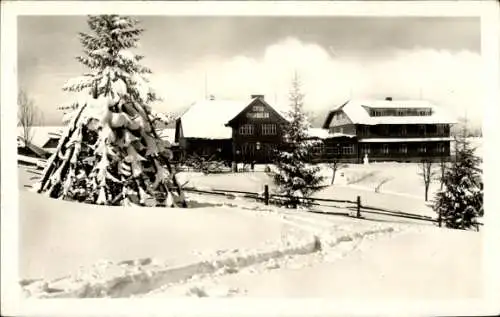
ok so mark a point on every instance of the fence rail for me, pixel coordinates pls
(356, 206)
(268, 198)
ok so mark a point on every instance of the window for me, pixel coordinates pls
(269, 129)
(403, 148)
(365, 148)
(338, 130)
(246, 129)
(258, 108)
(348, 149)
(401, 113)
(440, 148)
(403, 130)
(440, 129)
(385, 149)
(421, 129)
(318, 148)
(422, 148)
(365, 131)
(258, 115)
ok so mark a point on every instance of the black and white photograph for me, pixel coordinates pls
(228, 155)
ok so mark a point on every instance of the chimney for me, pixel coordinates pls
(257, 96)
(388, 98)
(212, 97)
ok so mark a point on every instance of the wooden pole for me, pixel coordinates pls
(358, 205)
(266, 195)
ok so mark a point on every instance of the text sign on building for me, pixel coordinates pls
(258, 112)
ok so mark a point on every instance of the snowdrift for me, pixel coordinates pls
(57, 237)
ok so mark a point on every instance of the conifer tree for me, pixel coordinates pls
(460, 203)
(295, 177)
(109, 152)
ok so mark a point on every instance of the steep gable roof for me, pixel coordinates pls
(42, 134)
(210, 119)
(329, 117)
(279, 113)
(206, 119)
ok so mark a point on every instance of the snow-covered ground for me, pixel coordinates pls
(67, 245)
(58, 237)
(360, 258)
(404, 192)
(417, 263)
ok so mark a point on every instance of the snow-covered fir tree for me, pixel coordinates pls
(295, 177)
(109, 152)
(460, 203)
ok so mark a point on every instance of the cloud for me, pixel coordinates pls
(450, 79)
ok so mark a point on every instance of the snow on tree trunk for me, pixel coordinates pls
(109, 152)
(295, 178)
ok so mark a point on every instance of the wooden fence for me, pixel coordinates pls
(353, 205)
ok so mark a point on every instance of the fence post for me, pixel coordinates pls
(266, 195)
(358, 207)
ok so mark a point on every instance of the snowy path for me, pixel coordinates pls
(427, 263)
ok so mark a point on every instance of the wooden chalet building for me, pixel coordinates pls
(43, 142)
(242, 131)
(387, 130)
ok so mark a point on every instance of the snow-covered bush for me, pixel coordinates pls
(204, 165)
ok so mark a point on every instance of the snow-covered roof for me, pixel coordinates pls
(41, 134)
(167, 134)
(321, 133)
(206, 119)
(389, 140)
(355, 110)
(317, 133)
(35, 149)
(340, 135)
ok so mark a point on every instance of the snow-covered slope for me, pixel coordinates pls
(405, 194)
(57, 237)
(421, 263)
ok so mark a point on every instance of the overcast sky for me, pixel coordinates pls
(337, 58)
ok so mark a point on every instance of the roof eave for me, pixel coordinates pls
(328, 120)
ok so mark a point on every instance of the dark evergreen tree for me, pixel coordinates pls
(110, 152)
(295, 177)
(460, 203)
